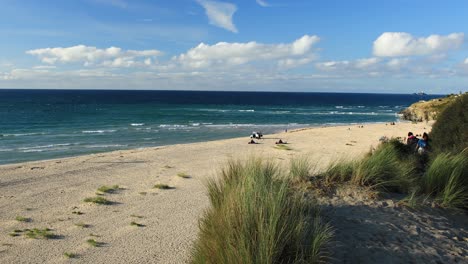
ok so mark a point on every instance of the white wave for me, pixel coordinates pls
(105, 146)
(45, 146)
(360, 106)
(195, 124)
(339, 106)
(137, 124)
(248, 110)
(347, 113)
(22, 134)
(172, 126)
(6, 150)
(98, 131)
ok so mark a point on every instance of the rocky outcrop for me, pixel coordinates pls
(427, 110)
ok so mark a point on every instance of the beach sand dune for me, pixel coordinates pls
(50, 194)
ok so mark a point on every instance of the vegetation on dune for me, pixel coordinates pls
(36, 233)
(388, 167)
(82, 225)
(450, 132)
(282, 147)
(183, 175)
(255, 217)
(133, 223)
(162, 186)
(301, 168)
(94, 243)
(23, 219)
(447, 179)
(441, 175)
(97, 200)
(108, 189)
(70, 255)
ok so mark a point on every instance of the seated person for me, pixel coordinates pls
(280, 142)
(423, 144)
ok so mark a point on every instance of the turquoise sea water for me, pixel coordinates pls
(45, 124)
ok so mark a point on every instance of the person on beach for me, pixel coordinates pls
(411, 141)
(280, 142)
(252, 142)
(423, 144)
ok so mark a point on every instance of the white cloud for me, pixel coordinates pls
(44, 67)
(366, 63)
(397, 63)
(263, 3)
(466, 61)
(394, 44)
(232, 54)
(113, 56)
(220, 14)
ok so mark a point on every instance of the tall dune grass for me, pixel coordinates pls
(255, 217)
(447, 179)
(388, 167)
(301, 168)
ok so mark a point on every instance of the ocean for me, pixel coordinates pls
(46, 124)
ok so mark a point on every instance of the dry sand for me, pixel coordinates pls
(48, 192)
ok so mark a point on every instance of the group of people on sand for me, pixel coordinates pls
(280, 141)
(259, 135)
(421, 145)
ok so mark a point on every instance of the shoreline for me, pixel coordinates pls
(327, 125)
(51, 194)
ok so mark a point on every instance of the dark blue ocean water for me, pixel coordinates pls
(44, 124)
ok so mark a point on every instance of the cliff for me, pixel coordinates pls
(427, 110)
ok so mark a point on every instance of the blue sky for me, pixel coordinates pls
(257, 45)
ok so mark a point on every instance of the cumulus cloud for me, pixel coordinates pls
(220, 14)
(466, 61)
(113, 56)
(346, 65)
(231, 54)
(262, 3)
(375, 67)
(394, 44)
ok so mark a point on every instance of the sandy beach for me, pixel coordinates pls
(50, 194)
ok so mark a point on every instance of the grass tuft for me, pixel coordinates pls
(82, 225)
(338, 172)
(282, 147)
(386, 168)
(108, 189)
(70, 255)
(301, 168)
(23, 219)
(97, 200)
(37, 233)
(133, 223)
(94, 243)
(162, 186)
(255, 217)
(446, 179)
(136, 216)
(183, 175)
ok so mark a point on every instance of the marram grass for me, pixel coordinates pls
(255, 217)
(386, 168)
(447, 179)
